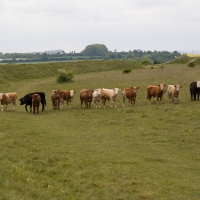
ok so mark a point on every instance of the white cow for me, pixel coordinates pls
(109, 94)
(173, 92)
(97, 97)
(7, 98)
(198, 84)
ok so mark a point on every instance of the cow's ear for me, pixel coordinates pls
(164, 85)
(180, 86)
(159, 85)
(175, 86)
(138, 87)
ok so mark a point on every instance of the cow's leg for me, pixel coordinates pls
(148, 98)
(115, 102)
(42, 106)
(99, 104)
(89, 104)
(31, 107)
(14, 105)
(111, 103)
(58, 105)
(81, 103)
(123, 101)
(61, 103)
(104, 102)
(194, 96)
(37, 109)
(2, 108)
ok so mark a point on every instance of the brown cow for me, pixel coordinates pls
(7, 98)
(55, 97)
(155, 91)
(86, 96)
(130, 94)
(36, 99)
(67, 96)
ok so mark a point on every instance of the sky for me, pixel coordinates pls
(122, 25)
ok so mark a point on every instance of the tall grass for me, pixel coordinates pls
(140, 152)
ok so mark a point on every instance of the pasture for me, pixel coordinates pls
(139, 152)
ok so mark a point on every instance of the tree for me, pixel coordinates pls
(95, 50)
(44, 56)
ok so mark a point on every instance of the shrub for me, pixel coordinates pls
(145, 62)
(191, 64)
(64, 76)
(156, 62)
(126, 71)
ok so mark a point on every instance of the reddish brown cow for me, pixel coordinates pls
(36, 99)
(67, 96)
(130, 94)
(55, 97)
(155, 91)
(86, 96)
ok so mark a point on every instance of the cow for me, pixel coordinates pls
(194, 90)
(67, 96)
(173, 92)
(27, 100)
(97, 97)
(86, 96)
(7, 98)
(155, 91)
(130, 94)
(36, 99)
(55, 97)
(109, 94)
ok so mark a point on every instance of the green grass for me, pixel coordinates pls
(140, 152)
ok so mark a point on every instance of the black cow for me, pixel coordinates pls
(194, 90)
(27, 99)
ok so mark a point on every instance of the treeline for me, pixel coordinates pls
(93, 52)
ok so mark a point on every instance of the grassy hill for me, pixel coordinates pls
(17, 72)
(185, 60)
(140, 152)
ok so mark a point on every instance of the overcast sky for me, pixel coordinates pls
(40, 25)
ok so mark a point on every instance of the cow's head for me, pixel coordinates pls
(198, 84)
(162, 86)
(56, 93)
(98, 92)
(178, 87)
(116, 90)
(72, 92)
(135, 88)
(22, 101)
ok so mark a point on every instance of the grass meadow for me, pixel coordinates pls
(128, 153)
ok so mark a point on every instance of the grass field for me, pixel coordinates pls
(193, 55)
(140, 152)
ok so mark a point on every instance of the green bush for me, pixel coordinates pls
(126, 71)
(64, 76)
(145, 62)
(191, 64)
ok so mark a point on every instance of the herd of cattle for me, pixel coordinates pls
(98, 95)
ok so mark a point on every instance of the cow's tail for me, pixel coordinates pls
(45, 103)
